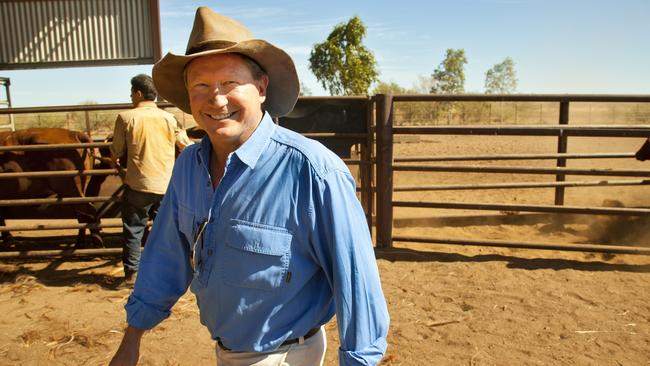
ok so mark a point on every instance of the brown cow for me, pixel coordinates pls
(49, 160)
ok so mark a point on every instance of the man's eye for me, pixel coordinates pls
(200, 86)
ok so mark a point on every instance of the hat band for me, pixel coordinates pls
(209, 45)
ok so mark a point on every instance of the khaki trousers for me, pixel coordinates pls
(311, 352)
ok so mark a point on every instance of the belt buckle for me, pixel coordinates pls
(301, 340)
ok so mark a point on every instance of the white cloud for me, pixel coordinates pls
(321, 25)
(298, 50)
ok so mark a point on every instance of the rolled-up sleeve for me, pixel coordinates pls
(165, 272)
(343, 246)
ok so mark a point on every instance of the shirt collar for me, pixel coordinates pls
(251, 150)
(147, 103)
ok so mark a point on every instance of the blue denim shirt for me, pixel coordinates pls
(286, 246)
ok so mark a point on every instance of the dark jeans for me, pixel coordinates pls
(137, 208)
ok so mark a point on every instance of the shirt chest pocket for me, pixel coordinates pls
(256, 256)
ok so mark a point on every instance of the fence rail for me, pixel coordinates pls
(49, 147)
(419, 159)
(524, 185)
(58, 173)
(526, 208)
(38, 227)
(53, 201)
(526, 131)
(623, 98)
(519, 170)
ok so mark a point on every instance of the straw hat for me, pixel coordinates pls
(214, 33)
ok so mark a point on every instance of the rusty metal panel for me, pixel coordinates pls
(64, 33)
(314, 115)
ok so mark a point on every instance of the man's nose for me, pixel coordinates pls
(218, 98)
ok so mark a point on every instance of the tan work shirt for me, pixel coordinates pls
(146, 135)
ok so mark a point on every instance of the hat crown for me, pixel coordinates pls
(216, 29)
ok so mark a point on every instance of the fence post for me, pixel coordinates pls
(384, 167)
(87, 116)
(365, 168)
(561, 149)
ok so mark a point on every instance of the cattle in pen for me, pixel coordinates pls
(48, 187)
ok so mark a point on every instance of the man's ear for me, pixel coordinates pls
(262, 86)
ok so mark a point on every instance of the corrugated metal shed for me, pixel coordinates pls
(63, 33)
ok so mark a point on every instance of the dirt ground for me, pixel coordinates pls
(449, 305)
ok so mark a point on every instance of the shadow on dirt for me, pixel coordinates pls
(410, 255)
(54, 274)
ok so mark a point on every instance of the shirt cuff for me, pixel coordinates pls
(142, 316)
(369, 356)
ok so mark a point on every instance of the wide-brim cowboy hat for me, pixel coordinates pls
(213, 33)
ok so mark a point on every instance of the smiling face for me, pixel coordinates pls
(226, 100)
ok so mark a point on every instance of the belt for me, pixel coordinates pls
(308, 335)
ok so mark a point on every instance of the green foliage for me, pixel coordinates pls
(501, 78)
(342, 64)
(449, 76)
(390, 88)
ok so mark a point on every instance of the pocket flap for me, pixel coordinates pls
(258, 238)
(186, 222)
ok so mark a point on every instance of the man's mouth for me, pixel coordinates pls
(219, 117)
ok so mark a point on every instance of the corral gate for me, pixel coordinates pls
(386, 165)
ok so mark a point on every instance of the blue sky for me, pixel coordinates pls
(558, 46)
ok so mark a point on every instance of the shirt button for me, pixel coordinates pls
(209, 251)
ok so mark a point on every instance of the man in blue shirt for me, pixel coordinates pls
(262, 223)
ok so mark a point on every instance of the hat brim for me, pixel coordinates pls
(282, 91)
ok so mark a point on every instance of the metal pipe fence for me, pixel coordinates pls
(380, 136)
(386, 165)
(363, 162)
